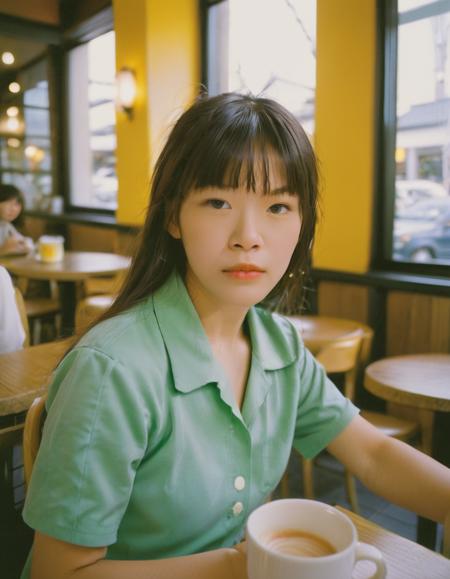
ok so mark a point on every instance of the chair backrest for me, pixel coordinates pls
(343, 357)
(32, 433)
(91, 308)
(23, 315)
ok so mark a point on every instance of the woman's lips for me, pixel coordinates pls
(244, 271)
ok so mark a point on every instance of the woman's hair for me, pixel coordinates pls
(8, 192)
(224, 141)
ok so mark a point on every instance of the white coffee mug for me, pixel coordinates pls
(281, 534)
(50, 248)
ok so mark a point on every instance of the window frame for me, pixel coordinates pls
(46, 57)
(98, 24)
(386, 125)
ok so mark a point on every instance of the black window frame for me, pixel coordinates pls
(50, 37)
(385, 136)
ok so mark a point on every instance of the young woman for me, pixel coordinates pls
(174, 416)
(11, 205)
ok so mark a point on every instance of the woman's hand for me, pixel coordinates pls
(238, 556)
(13, 245)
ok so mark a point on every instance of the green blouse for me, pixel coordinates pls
(144, 448)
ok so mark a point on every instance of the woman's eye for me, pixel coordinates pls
(218, 204)
(279, 208)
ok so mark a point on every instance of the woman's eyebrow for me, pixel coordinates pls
(279, 190)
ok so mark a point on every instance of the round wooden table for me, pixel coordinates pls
(76, 266)
(319, 331)
(421, 381)
(24, 374)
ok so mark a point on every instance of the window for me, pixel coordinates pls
(266, 48)
(92, 131)
(421, 212)
(25, 146)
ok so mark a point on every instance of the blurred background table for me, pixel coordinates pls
(24, 375)
(76, 267)
(421, 381)
(320, 331)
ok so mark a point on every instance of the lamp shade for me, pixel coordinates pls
(126, 89)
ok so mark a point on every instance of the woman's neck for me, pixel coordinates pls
(223, 324)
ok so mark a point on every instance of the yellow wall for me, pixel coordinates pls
(160, 41)
(344, 136)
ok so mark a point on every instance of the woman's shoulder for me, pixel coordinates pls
(124, 353)
(126, 336)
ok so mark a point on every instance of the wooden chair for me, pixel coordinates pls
(340, 357)
(89, 309)
(344, 357)
(40, 310)
(32, 432)
(103, 285)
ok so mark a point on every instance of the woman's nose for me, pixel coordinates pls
(246, 234)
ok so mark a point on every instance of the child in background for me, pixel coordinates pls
(11, 206)
(174, 416)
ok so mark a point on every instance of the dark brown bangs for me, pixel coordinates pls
(242, 149)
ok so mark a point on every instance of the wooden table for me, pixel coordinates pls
(24, 374)
(404, 559)
(421, 381)
(76, 266)
(319, 331)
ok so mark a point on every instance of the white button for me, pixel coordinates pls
(239, 483)
(237, 508)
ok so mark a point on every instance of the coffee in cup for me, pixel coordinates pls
(299, 543)
(295, 538)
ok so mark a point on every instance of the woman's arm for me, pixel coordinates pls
(54, 559)
(13, 244)
(394, 470)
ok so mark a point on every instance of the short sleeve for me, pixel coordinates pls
(94, 438)
(323, 412)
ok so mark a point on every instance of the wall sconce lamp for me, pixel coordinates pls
(126, 91)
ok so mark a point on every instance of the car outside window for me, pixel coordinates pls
(422, 148)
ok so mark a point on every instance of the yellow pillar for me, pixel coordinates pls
(344, 136)
(160, 41)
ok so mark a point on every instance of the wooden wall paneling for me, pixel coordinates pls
(417, 323)
(33, 227)
(43, 11)
(126, 242)
(90, 238)
(343, 300)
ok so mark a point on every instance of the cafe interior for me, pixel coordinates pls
(89, 90)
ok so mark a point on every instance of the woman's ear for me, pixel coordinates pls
(174, 229)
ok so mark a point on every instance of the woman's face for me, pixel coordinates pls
(10, 209)
(238, 243)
